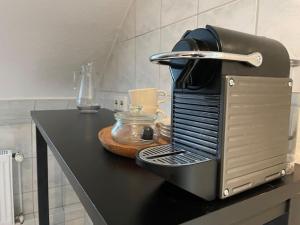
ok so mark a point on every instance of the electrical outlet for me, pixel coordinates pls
(120, 103)
(123, 103)
(116, 104)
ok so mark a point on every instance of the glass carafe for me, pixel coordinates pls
(86, 100)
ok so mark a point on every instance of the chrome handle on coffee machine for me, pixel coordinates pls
(254, 59)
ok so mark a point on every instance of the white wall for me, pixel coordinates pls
(42, 42)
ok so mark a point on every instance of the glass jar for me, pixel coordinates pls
(134, 128)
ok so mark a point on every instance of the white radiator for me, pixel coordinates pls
(6, 189)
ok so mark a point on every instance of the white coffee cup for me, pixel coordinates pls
(152, 110)
(149, 110)
(147, 97)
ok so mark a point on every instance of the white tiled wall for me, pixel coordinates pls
(237, 15)
(147, 74)
(176, 10)
(14, 112)
(160, 23)
(280, 20)
(17, 133)
(154, 26)
(147, 11)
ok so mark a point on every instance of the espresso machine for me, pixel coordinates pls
(231, 100)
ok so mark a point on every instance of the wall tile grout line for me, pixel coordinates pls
(164, 26)
(134, 60)
(217, 7)
(180, 20)
(135, 48)
(115, 92)
(33, 158)
(257, 16)
(160, 47)
(183, 19)
(115, 41)
(198, 4)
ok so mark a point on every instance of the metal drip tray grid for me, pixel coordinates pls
(167, 155)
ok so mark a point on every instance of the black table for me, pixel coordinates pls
(115, 191)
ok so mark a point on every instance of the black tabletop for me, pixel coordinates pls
(115, 191)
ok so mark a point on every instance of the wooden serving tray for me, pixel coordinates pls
(128, 151)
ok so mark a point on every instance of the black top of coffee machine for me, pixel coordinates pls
(198, 73)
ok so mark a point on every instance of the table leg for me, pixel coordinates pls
(294, 215)
(42, 178)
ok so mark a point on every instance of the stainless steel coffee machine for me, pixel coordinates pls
(231, 102)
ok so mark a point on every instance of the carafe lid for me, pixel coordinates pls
(135, 115)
